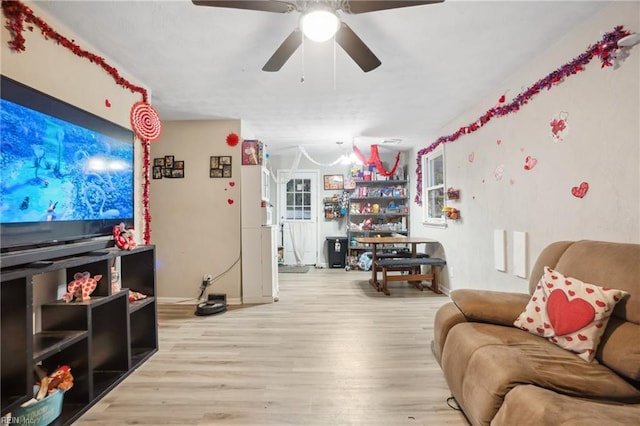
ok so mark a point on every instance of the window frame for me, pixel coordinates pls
(427, 185)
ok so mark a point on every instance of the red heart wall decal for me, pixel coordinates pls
(568, 316)
(580, 191)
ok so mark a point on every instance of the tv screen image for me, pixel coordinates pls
(66, 174)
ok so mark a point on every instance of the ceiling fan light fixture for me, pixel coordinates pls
(319, 24)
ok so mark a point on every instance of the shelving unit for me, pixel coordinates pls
(376, 207)
(102, 339)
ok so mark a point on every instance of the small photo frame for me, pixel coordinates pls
(333, 182)
(220, 166)
(158, 162)
(168, 161)
(178, 165)
(166, 172)
(158, 171)
(177, 173)
(251, 153)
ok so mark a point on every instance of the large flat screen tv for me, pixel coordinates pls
(66, 174)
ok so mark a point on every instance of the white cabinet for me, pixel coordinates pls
(259, 250)
(259, 265)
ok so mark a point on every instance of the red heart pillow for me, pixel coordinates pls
(569, 313)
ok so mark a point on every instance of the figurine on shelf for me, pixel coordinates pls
(81, 287)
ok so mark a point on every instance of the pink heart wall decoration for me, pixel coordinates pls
(530, 162)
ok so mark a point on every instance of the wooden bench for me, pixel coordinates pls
(414, 268)
(400, 255)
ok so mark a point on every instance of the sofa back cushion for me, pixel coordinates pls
(615, 265)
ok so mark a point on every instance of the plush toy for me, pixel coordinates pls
(81, 287)
(134, 296)
(123, 237)
(61, 379)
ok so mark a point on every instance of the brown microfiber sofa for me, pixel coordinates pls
(502, 375)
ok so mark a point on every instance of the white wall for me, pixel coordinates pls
(196, 219)
(601, 148)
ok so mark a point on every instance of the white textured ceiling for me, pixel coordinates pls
(437, 61)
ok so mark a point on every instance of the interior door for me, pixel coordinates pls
(297, 213)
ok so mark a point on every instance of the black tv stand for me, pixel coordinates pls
(103, 339)
(31, 255)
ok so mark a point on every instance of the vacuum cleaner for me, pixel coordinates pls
(215, 303)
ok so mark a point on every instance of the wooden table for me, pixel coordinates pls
(374, 241)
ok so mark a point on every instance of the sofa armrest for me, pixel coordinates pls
(495, 307)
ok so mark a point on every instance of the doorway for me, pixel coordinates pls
(297, 213)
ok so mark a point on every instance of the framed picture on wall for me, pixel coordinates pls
(168, 161)
(158, 162)
(333, 182)
(251, 153)
(220, 166)
(157, 172)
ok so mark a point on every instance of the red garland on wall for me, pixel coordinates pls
(604, 49)
(375, 160)
(17, 15)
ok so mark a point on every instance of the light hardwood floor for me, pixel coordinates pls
(332, 351)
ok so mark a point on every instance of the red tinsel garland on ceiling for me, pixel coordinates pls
(604, 49)
(17, 15)
(374, 160)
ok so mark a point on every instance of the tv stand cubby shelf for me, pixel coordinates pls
(102, 339)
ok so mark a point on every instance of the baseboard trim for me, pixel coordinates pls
(183, 301)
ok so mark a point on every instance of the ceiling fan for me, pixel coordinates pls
(323, 9)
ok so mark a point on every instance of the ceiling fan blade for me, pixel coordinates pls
(355, 47)
(261, 5)
(364, 6)
(284, 52)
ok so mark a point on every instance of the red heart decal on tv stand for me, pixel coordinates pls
(580, 191)
(568, 316)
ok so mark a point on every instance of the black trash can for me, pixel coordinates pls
(337, 250)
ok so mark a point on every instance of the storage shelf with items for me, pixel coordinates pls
(376, 207)
(335, 207)
(102, 338)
